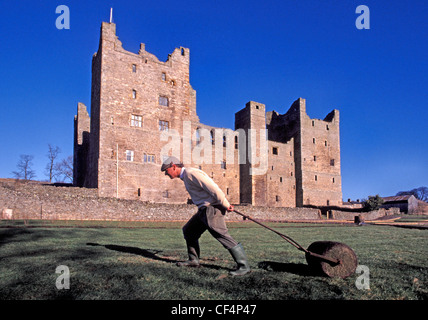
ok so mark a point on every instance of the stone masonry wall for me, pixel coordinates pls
(343, 215)
(36, 200)
(43, 201)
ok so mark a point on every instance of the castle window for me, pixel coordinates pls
(333, 180)
(182, 51)
(315, 158)
(212, 137)
(163, 125)
(332, 162)
(325, 143)
(274, 150)
(163, 76)
(134, 94)
(223, 164)
(198, 135)
(134, 68)
(166, 194)
(149, 158)
(257, 107)
(313, 140)
(129, 155)
(316, 178)
(163, 101)
(280, 179)
(313, 123)
(136, 121)
(224, 141)
(236, 142)
(327, 127)
(277, 198)
(328, 202)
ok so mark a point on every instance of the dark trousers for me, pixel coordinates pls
(212, 219)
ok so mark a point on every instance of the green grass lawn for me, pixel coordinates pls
(136, 260)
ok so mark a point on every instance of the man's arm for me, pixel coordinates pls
(205, 182)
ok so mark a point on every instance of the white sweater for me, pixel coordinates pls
(202, 189)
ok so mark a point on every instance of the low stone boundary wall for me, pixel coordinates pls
(44, 201)
(372, 215)
(35, 200)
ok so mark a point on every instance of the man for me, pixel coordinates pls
(212, 206)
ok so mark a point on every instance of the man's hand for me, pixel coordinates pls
(231, 208)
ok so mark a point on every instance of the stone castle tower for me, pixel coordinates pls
(144, 109)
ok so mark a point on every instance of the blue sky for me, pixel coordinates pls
(268, 51)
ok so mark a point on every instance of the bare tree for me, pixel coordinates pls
(52, 154)
(420, 193)
(64, 169)
(24, 168)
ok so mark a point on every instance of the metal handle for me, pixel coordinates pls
(291, 241)
(286, 238)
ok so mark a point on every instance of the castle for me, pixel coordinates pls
(144, 110)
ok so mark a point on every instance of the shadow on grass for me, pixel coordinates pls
(149, 254)
(295, 268)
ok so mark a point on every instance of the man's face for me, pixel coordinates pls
(172, 172)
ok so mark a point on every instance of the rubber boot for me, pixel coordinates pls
(193, 252)
(240, 258)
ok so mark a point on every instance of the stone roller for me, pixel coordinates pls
(329, 258)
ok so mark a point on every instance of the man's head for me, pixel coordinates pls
(172, 167)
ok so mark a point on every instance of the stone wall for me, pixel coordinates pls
(37, 200)
(372, 215)
(44, 201)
